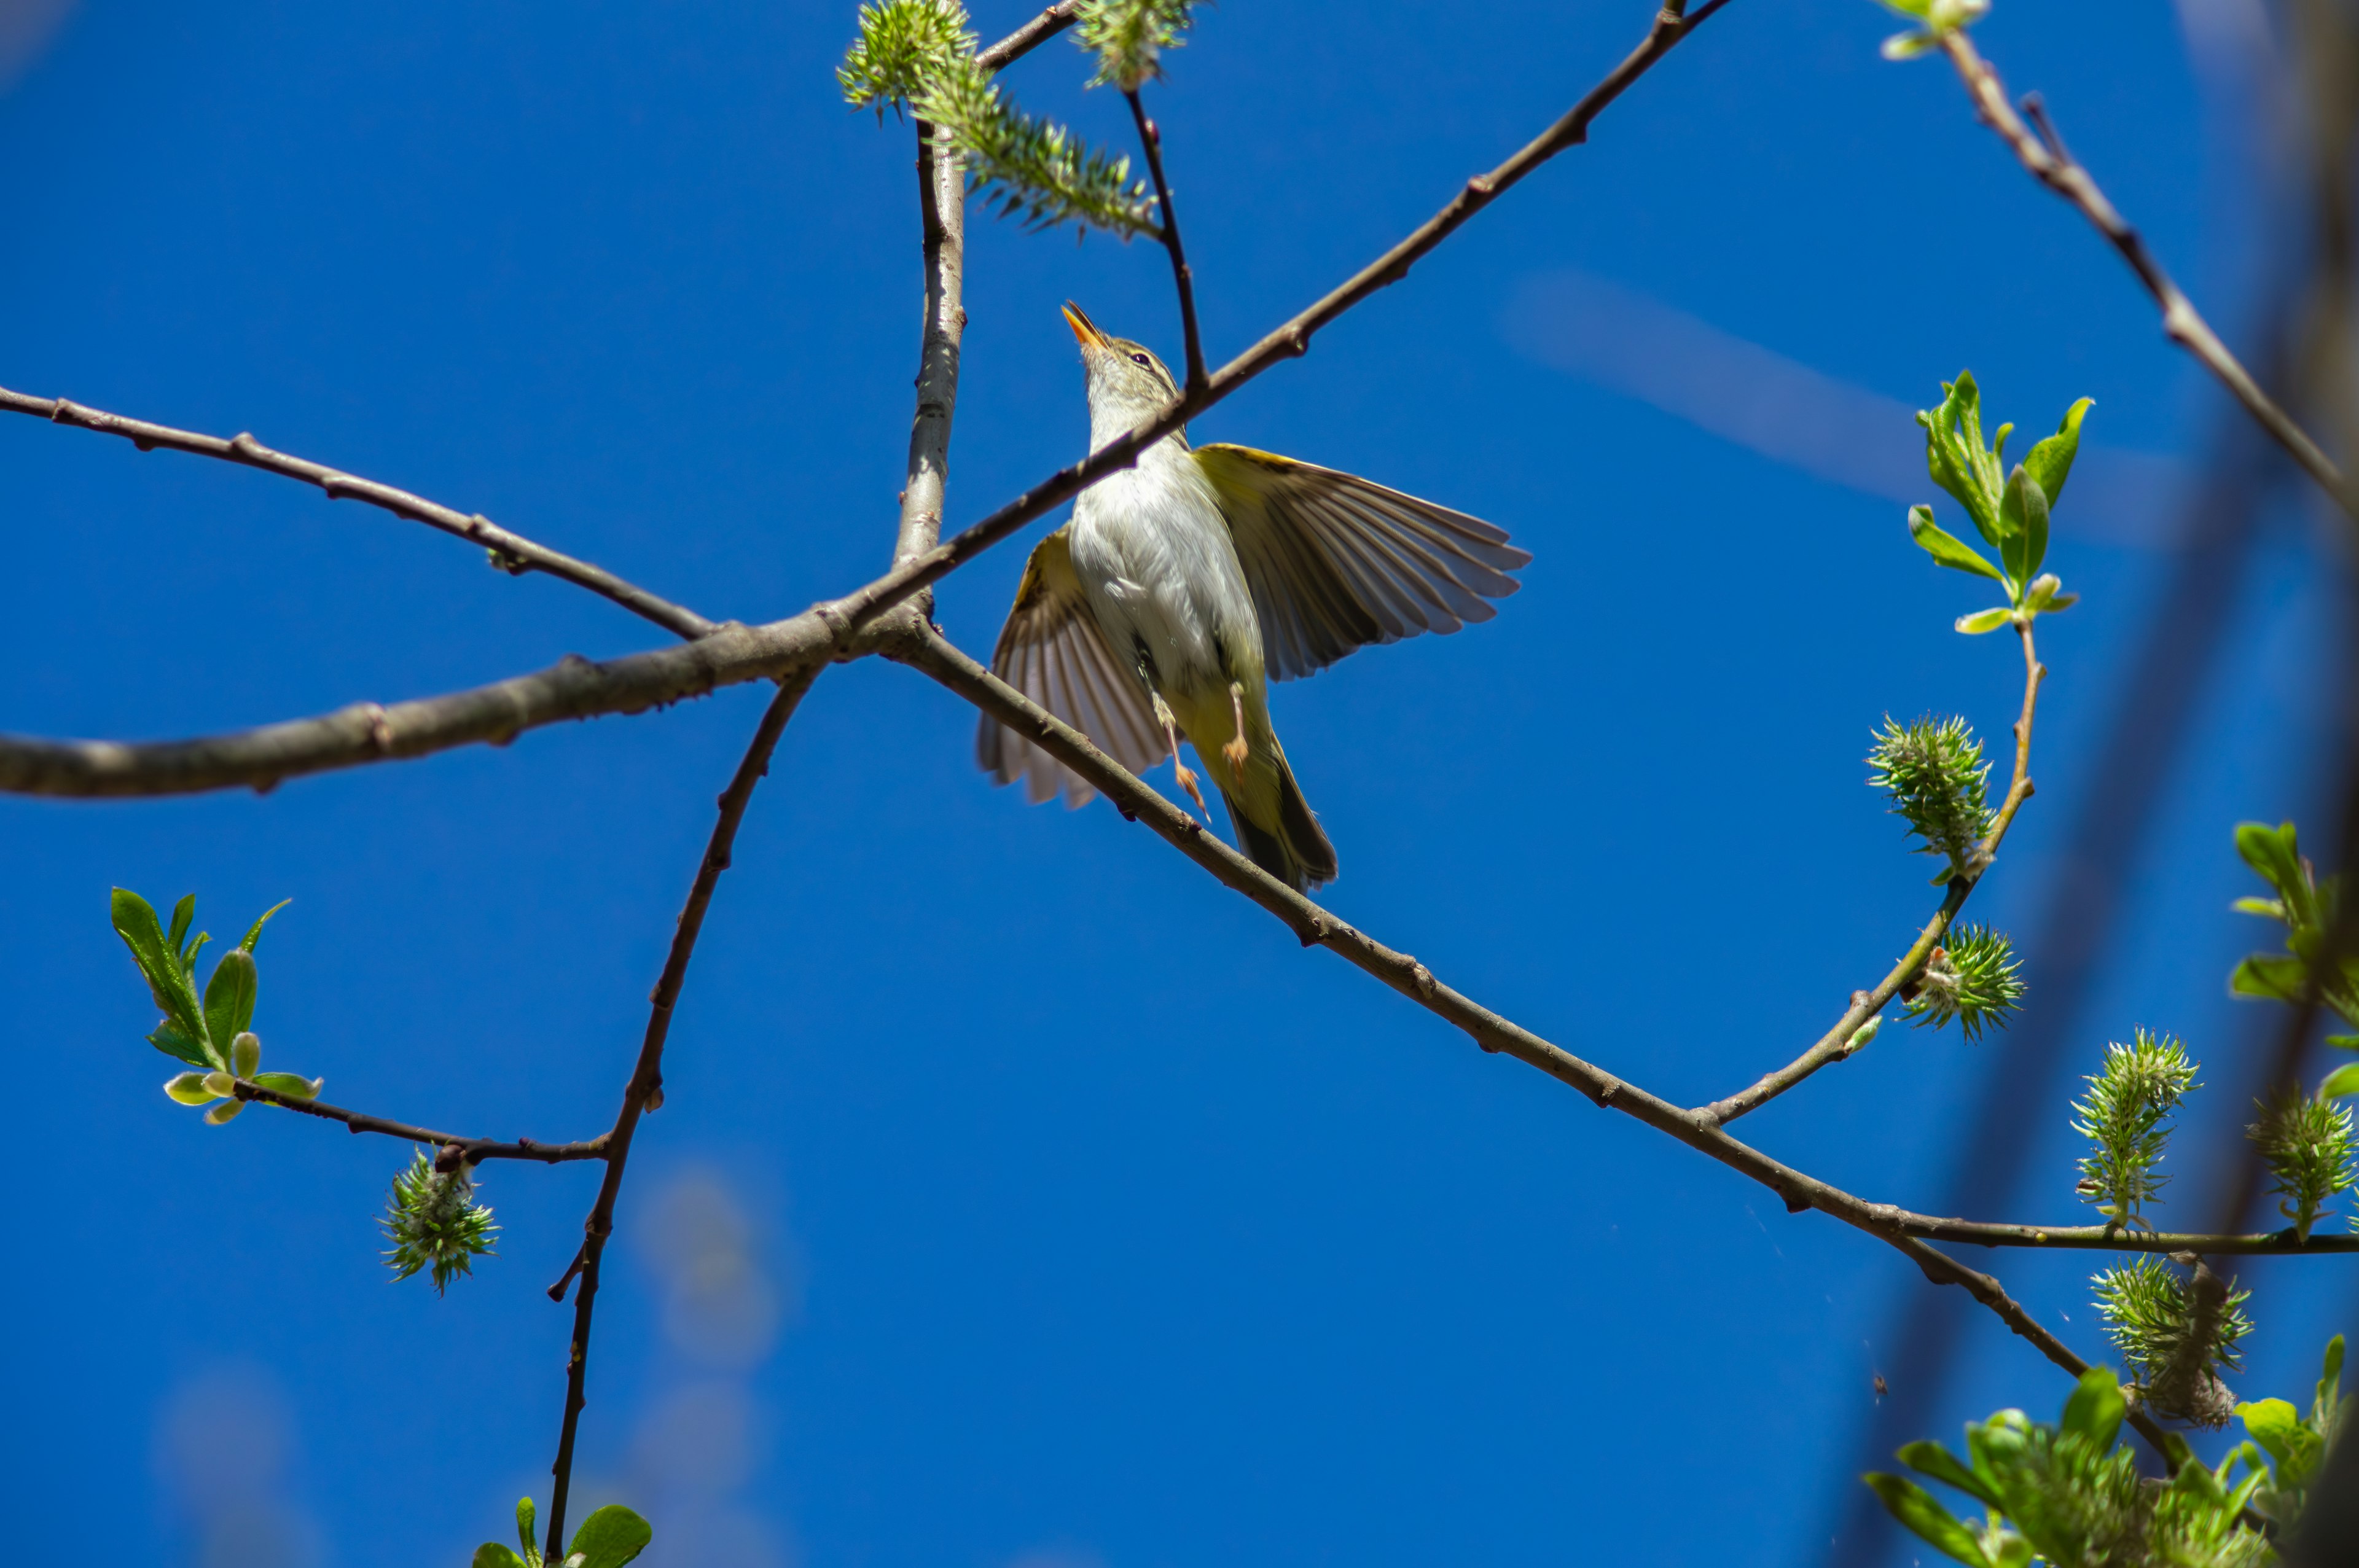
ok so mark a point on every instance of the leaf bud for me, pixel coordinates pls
(245, 1053)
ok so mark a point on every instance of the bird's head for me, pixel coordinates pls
(1127, 384)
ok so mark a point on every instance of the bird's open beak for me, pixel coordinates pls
(1084, 332)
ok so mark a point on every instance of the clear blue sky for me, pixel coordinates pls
(1021, 1197)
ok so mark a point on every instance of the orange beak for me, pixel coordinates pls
(1084, 332)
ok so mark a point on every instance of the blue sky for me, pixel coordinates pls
(1021, 1197)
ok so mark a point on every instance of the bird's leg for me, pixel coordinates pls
(1236, 750)
(1180, 773)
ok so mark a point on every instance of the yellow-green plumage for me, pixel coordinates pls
(1186, 583)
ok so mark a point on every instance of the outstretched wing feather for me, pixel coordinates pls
(1052, 652)
(1335, 563)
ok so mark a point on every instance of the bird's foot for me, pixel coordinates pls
(1185, 776)
(1236, 750)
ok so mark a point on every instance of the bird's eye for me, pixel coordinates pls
(1142, 359)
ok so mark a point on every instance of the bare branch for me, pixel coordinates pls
(512, 552)
(2044, 156)
(1182, 278)
(645, 1091)
(941, 210)
(2114, 1238)
(1029, 36)
(938, 657)
(451, 1148)
(1836, 1045)
(733, 654)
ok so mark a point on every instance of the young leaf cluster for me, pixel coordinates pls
(213, 1034)
(1935, 779)
(2309, 910)
(2126, 1116)
(903, 46)
(2295, 1442)
(1934, 18)
(1129, 36)
(2178, 1331)
(2070, 1495)
(2009, 508)
(434, 1222)
(2305, 1139)
(1974, 978)
(609, 1538)
(920, 53)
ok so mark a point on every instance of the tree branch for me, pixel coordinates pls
(512, 553)
(1029, 36)
(451, 1146)
(941, 212)
(2045, 158)
(935, 656)
(731, 655)
(645, 1091)
(1182, 279)
(1836, 1044)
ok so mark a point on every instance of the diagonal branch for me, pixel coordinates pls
(1029, 36)
(1837, 1044)
(645, 1091)
(1151, 138)
(448, 1146)
(511, 552)
(2045, 158)
(731, 655)
(935, 656)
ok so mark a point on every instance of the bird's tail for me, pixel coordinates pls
(1295, 850)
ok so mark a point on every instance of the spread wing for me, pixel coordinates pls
(1336, 563)
(1052, 652)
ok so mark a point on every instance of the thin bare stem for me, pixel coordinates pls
(1184, 280)
(369, 732)
(942, 215)
(1029, 36)
(511, 552)
(645, 1091)
(1837, 1045)
(454, 1146)
(2044, 156)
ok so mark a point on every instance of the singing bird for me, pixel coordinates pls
(1184, 584)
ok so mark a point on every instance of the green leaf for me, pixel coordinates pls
(2051, 460)
(2276, 1426)
(491, 1554)
(2023, 526)
(2344, 1041)
(255, 934)
(229, 999)
(1908, 45)
(167, 983)
(244, 1053)
(223, 1112)
(1945, 550)
(1913, 1506)
(168, 1039)
(2276, 854)
(293, 1086)
(2331, 1383)
(524, 1530)
(2344, 1080)
(2095, 1409)
(2269, 908)
(2280, 977)
(1954, 457)
(1983, 620)
(188, 1088)
(610, 1537)
(184, 915)
(1933, 1459)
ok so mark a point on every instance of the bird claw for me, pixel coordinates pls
(1185, 777)
(1237, 750)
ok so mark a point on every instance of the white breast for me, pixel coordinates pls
(1156, 558)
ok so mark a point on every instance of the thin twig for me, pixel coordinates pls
(2044, 156)
(458, 1147)
(512, 552)
(1029, 36)
(942, 213)
(645, 1091)
(577, 688)
(1837, 1044)
(937, 656)
(1151, 138)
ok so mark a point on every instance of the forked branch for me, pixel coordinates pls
(2044, 155)
(1151, 138)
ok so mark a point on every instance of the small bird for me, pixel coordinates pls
(1183, 584)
